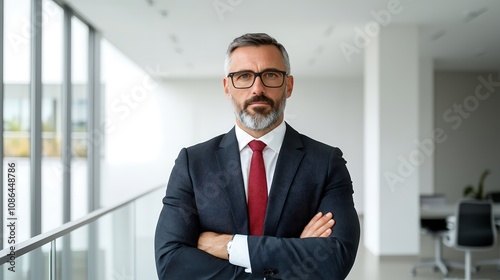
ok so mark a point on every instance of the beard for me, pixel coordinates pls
(259, 120)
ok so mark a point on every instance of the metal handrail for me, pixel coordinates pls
(44, 238)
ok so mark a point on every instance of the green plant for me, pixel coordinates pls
(479, 193)
(12, 125)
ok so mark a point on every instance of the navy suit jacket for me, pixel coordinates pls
(205, 192)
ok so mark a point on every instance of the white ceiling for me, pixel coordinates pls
(187, 38)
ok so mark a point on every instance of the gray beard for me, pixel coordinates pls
(259, 122)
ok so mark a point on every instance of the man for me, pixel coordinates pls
(226, 216)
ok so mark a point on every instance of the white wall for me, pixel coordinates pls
(134, 157)
(467, 110)
(330, 111)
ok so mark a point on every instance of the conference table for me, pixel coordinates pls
(443, 211)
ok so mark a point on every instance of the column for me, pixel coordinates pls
(392, 154)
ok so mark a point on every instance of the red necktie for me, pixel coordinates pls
(257, 189)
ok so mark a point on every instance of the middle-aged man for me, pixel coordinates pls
(261, 201)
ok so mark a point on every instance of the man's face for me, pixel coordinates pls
(258, 107)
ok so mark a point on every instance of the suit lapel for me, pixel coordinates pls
(228, 160)
(288, 162)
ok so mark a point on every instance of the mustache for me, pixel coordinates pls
(260, 98)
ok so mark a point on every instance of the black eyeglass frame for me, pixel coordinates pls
(258, 74)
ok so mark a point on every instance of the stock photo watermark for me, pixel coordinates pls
(127, 102)
(20, 37)
(322, 252)
(11, 217)
(364, 36)
(471, 103)
(225, 6)
(216, 182)
(123, 106)
(454, 116)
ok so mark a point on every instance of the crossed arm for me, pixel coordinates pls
(215, 243)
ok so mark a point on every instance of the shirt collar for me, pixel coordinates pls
(273, 139)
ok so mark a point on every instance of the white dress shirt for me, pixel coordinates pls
(238, 254)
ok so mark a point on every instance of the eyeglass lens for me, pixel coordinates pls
(245, 79)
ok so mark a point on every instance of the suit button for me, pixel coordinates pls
(270, 272)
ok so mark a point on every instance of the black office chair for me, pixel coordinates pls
(473, 230)
(436, 228)
(494, 197)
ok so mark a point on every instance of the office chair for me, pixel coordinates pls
(473, 230)
(494, 197)
(436, 228)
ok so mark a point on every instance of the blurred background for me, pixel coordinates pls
(407, 89)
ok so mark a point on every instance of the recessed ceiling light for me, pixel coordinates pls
(174, 39)
(319, 50)
(437, 35)
(474, 14)
(479, 52)
(329, 30)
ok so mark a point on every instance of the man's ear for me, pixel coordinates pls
(289, 86)
(225, 84)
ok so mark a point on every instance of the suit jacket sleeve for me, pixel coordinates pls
(177, 232)
(314, 258)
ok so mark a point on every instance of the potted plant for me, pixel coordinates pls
(469, 190)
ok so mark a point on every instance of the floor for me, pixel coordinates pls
(371, 267)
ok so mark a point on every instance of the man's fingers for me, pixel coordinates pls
(326, 229)
(319, 226)
(309, 229)
(326, 233)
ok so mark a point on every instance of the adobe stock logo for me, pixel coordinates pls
(20, 34)
(471, 103)
(454, 116)
(363, 37)
(223, 6)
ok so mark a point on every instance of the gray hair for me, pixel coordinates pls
(255, 40)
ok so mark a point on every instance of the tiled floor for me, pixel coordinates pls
(371, 267)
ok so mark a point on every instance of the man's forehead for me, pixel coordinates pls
(268, 55)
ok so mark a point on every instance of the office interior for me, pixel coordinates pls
(99, 97)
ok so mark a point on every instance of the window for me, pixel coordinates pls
(17, 44)
(16, 48)
(79, 136)
(52, 79)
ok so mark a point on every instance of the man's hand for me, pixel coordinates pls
(319, 226)
(214, 244)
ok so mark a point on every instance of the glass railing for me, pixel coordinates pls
(110, 243)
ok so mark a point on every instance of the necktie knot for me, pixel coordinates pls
(257, 145)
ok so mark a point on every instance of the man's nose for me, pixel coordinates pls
(258, 86)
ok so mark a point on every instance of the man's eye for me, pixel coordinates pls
(270, 75)
(243, 76)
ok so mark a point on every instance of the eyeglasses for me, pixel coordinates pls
(246, 79)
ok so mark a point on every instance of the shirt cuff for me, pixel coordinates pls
(238, 253)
